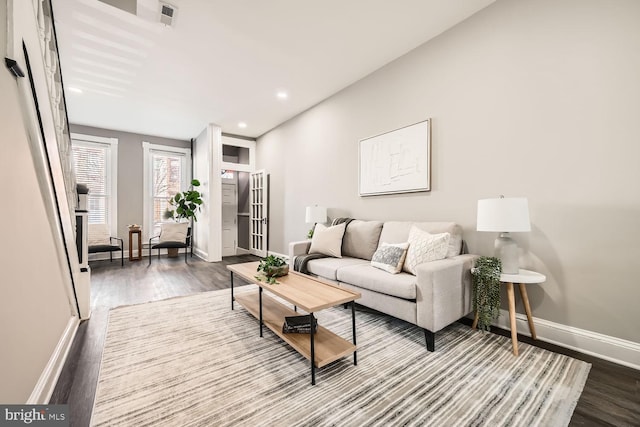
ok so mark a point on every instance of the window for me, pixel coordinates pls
(167, 171)
(95, 165)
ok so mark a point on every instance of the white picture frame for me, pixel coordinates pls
(398, 161)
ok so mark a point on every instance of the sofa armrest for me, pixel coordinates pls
(443, 291)
(298, 248)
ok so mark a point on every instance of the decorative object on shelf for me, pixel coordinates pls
(299, 325)
(486, 290)
(314, 215)
(272, 267)
(504, 215)
(398, 161)
(186, 203)
(134, 227)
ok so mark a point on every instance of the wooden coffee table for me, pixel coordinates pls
(304, 292)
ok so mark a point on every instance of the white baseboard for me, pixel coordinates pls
(605, 347)
(286, 257)
(47, 382)
(200, 254)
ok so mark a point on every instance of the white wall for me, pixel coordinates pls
(34, 304)
(207, 157)
(537, 99)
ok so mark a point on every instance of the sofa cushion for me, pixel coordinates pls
(425, 247)
(398, 232)
(401, 285)
(327, 240)
(361, 239)
(328, 267)
(390, 257)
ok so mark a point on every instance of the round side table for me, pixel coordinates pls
(523, 278)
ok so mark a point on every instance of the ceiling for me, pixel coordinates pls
(224, 62)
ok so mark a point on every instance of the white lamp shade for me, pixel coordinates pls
(316, 214)
(504, 215)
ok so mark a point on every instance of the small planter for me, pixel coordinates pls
(277, 271)
(172, 252)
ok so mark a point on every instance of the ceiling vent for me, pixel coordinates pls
(167, 14)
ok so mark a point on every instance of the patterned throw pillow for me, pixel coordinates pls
(425, 247)
(390, 257)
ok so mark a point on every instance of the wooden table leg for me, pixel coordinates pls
(475, 321)
(527, 309)
(130, 246)
(512, 317)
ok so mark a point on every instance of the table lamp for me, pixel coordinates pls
(505, 215)
(316, 214)
(313, 215)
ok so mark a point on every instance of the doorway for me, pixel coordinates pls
(229, 218)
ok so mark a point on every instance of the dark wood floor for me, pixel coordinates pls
(611, 396)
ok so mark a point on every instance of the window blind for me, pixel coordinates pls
(91, 168)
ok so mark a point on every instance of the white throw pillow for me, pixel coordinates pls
(98, 234)
(174, 232)
(328, 240)
(390, 257)
(425, 247)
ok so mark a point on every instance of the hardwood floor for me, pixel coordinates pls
(611, 396)
(135, 283)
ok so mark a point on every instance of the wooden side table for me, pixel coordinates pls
(523, 278)
(131, 233)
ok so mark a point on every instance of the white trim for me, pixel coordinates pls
(605, 347)
(242, 251)
(286, 257)
(200, 254)
(242, 143)
(47, 382)
(93, 138)
(239, 167)
(166, 148)
(147, 149)
(112, 166)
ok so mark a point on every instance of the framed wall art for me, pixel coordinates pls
(398, 161)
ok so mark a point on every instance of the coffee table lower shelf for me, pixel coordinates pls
(329, 347)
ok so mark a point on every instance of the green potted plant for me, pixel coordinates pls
(185, 205)
(272, 267)
(486, 291)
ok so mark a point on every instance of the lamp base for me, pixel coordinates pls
(507, 251)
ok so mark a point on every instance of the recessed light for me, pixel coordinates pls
(242, 125)
(282, 95)
(74, 90)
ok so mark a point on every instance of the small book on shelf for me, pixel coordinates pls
(298, 325)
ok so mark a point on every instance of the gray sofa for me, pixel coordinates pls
(438, 295)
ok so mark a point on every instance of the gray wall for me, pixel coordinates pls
(130, 175)
(537, 99)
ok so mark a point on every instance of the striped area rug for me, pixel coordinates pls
(191, 361)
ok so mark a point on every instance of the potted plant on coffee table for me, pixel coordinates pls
(272, 267)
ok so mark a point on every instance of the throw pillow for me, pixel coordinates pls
(390, 257)
(98, 234)
(425, 247)
(327, 240)
(174, 232)
(361, 238)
